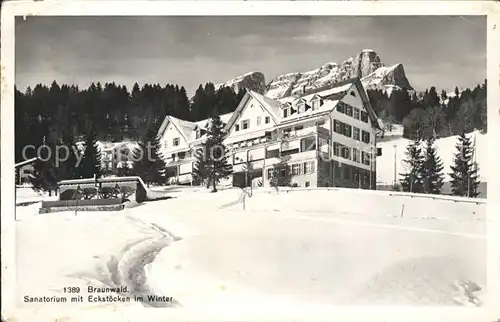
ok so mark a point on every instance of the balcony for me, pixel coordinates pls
(308, 131)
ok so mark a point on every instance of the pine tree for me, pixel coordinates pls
(91, 160)
(44, 170)
(217, 165)
(200, 174)
(68, 169)
(432, 169)
(412, 180)
(464, 175)
(148, 162)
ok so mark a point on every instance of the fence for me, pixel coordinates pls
(81, 203)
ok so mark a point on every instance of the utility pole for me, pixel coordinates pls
(395, 164)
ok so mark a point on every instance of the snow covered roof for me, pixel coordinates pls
(187, 128)
(341, 89)
(327, 106)
(205, 123)
(273, 106)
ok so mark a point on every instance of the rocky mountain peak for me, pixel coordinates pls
(254, 81)
(366, 65)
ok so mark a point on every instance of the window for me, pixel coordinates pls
(356, 113)
(300, 107)
(337, 126)
(298, 128)
(307, 167)
(269, 173)
(356, 155)
(364, 116)
(347, 130)
(267, 120)
(341, 107)
(352, 93)
(336, 148)
(176, 141)
(245, 124)
(356, 133)
(285, 112)
(258, 120)
(366, 137)
(348, 110)
(365, 158)
(295, 169)
(346, 152)
(307, 184)
(315, 104)
(236, 127)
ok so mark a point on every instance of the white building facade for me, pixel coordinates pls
(326, 138)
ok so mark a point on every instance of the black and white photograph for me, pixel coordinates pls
(248, 162)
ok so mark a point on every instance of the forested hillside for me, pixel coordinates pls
(47, 114)
(432, 114)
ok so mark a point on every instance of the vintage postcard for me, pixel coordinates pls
(228, 160)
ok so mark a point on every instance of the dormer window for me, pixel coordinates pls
(315, 104)
(301, 107)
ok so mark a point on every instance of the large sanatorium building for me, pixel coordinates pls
(326, 137)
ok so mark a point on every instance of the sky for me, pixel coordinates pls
(435, 51)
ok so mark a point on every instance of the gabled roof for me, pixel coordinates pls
(333, 94)
(271, 106)
(187, 129)
(315, 96)
(203, 124)
(364, 97)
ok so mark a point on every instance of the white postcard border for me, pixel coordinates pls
(155, 8)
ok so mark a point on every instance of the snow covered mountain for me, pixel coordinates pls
(366, 65)
(254, 81)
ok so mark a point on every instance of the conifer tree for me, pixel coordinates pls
(148, 161)
(44, 170)
(91, 160)
(432, 169)
(280, 175)
(412, 180)
(68, 169)
(200, 174)
(464, 175)
(217, 165)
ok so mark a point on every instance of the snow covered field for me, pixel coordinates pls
(288, 250)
